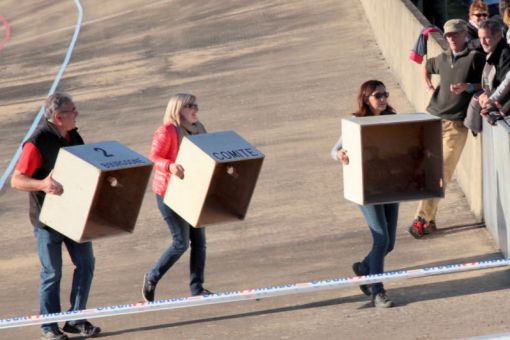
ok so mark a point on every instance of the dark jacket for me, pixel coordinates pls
(500, 58)
(48, 141)
(474, 41)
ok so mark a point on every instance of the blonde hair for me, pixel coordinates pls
(174, 107)
(506, 16)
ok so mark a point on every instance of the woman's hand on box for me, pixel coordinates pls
(342, 156)
(177, 170)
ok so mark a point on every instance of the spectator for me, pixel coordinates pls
(498, 58)
(495, 77)
(460, 72)
(478, 13)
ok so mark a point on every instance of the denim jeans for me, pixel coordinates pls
(382, 221)
(49, 244)
(183, 234)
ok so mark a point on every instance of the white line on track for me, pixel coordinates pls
(86, 23)
(54, 86)
(247, 294)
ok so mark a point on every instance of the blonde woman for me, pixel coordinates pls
(180, 120)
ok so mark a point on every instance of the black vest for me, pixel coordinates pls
(48, 141)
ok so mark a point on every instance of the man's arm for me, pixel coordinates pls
(31, 160)
(430, 68)
(427, 77)
(25, 183)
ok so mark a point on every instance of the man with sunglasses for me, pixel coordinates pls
(34, 174)
(460, 72)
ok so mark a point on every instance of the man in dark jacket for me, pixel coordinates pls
(34, 174)
(495, 70)
(498, 58)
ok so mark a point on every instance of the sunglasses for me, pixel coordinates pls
(379, 95)
(69, 111)
(478, 15)
(191, 106)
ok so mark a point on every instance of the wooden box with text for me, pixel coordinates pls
(393, 158)
(220, 173)
(104, 185)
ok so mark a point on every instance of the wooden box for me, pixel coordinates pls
(104, 185)
(220, 173)
(393, 158)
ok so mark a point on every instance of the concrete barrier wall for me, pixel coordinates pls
(397, 25)
(496, 182)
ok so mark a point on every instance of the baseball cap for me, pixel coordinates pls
(454, 25)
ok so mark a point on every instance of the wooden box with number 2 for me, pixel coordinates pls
(104, 185)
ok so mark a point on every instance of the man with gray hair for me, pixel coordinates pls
(498, 60)
(33, 173)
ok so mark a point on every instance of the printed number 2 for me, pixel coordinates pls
(106, 154)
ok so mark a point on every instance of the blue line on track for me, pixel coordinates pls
(54, 86)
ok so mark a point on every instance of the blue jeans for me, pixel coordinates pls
(183, 234)
(382, 221)
(49, 244)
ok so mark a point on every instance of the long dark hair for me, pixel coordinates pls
(366, 89)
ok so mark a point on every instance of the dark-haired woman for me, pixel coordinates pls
(381, 218)
(478, 13)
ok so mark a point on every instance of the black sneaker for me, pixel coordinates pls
(203, 292)
(381, 300)
(53, 334)
(148, 290)
(84, 329)
(356, 268)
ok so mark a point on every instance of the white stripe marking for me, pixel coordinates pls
(54, 86)
(247, 294)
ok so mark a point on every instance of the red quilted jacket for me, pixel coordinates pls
(165, 145)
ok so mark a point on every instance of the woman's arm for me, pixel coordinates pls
(335, 149)
(160, 151)
(502, 90)
(160, 147)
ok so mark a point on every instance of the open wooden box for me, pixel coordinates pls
(393, 158)
(104, 185)
(220, 173)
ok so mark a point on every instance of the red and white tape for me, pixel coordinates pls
(247, 294)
